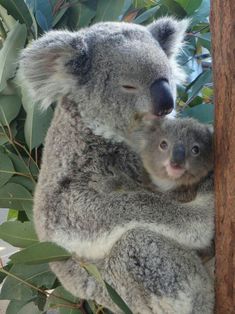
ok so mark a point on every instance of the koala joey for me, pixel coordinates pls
(142, 242)
(177, 154)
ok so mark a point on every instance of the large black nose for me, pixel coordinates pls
(163, 102)
(178, 155)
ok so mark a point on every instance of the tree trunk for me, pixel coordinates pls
(223, 52)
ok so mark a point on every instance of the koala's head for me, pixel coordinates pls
(174, 151)
(110, 70)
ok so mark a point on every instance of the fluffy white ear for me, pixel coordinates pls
(48, 66)
(169, 32)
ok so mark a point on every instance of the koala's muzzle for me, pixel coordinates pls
(178, 155)
(162, 98)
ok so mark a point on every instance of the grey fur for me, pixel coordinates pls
(140, 241)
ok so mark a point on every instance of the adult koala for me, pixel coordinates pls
(141, 242)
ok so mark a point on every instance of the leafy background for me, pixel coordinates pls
(27, 280)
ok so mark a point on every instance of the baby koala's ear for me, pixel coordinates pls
(169, 33)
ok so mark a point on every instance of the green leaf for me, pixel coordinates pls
(6, 169)
(8, 20)
(202, 14)
(60, 292)
(12, 214)
(173, 8)
(30, 308)
(15, 306)
(146, 15)
(108, 10)
(23, 181)
(9, 53)
(59, 15)
(18, 234)
(19, 10)
(203, 113)
(93, 271)
(9, 108)
(3, 275)
(196, 85)
(4, 132)
(190, 6)
(205, 40)
(15, 196)
(86, 13)
(19, 164)
(40, 253)
(37, 121)
(36, 275)
(117, 299)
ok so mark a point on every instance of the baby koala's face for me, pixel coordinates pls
(175, 152)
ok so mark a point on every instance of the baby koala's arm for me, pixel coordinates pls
(183, 194)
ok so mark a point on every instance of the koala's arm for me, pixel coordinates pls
(89, 223)
(116, 182)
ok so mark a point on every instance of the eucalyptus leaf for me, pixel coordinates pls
(9, 53)
(68, 299)
(18, 234)
(117, 299)
(9, 108)
(37, 275)
(19, 10)
(15, 196)
(15, 306)
(190, 6)
(37, 121)
(93, 271)
(3, 275)
(173, 8)
(30, 308)
(8, 20)
(20, 164)
(40, 253)
(86, 12)
(108, 10)
(146, 15)
(203, 113)
(12, 214)
(202, 14)
(25, 182)
(205, 40)
(196, 85)
(59, 15)
(43, 13)
(6, 169)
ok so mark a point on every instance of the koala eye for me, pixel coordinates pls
(163, 145)
(129, 88)
(195, 150)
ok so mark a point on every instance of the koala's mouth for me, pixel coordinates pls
(175, 171)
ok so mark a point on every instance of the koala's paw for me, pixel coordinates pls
(207, 185)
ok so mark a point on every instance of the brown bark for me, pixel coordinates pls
(223, 52)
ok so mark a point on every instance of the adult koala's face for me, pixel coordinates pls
(111, 70)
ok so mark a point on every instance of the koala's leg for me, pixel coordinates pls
(155, 275)
(77, 281)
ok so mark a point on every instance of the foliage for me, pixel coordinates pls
(23, 128)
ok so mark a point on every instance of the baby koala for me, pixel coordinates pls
(176, 153)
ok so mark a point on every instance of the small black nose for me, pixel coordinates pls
(162, 98)
(178, 155)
